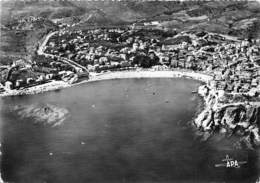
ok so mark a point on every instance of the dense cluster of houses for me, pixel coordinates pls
(234, 63)
(104, 49)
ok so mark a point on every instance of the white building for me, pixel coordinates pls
(8, 85)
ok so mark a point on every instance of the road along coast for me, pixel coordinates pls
(55, 85)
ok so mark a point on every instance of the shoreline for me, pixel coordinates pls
(238, 119)
(227, 118)
(203, 119)
(56, 85)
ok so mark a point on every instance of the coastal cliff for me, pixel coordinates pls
(239, 119)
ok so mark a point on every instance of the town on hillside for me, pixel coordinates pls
(129, 91)
(74, 55)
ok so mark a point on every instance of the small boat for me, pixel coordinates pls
(194, 91)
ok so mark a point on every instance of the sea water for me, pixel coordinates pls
(122, 130)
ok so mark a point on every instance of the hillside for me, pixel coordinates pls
(240, 19)
(98, 17)
(230, 15)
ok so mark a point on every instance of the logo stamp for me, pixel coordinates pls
(229, 162)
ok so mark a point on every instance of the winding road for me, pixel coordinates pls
(42, 47)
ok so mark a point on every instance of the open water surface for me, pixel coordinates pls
(123, 130)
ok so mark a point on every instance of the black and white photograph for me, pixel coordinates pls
(129, 91)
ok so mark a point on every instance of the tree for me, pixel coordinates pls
(154, 59)
(142, 61)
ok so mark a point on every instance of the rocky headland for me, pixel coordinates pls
(241, 119)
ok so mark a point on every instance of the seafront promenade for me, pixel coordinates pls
(223, 82)
(93, 76)
(139, 73)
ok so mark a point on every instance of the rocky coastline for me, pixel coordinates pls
(239, 119)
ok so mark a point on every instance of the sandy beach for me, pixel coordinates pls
(54, 85)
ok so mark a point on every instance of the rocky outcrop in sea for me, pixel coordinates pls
(239, 119)
(43, 113)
